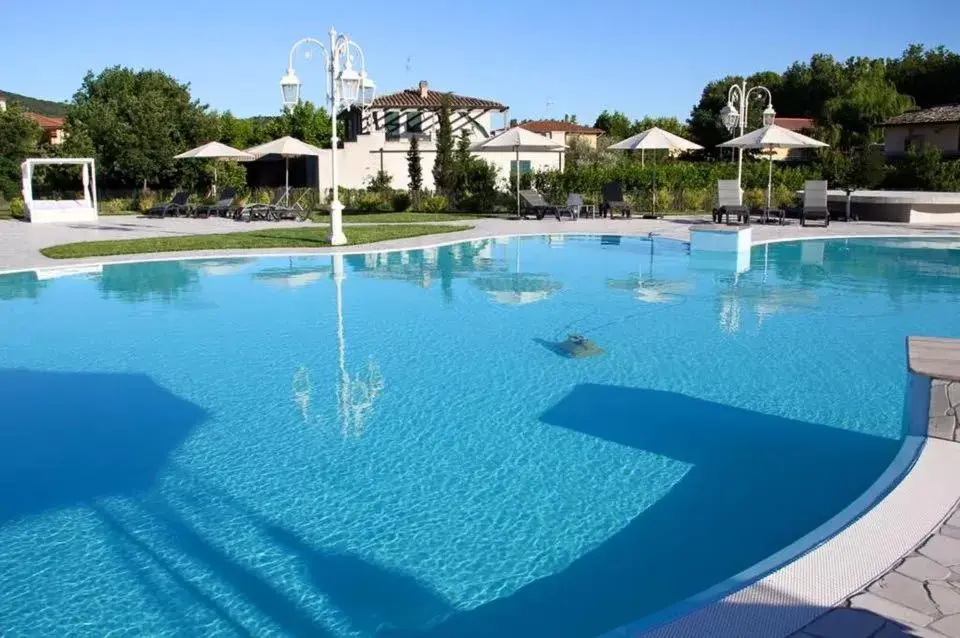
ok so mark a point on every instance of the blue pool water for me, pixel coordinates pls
(208, 448)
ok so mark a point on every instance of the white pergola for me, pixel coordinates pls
(61, 210)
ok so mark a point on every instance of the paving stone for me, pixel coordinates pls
(922, 568)
(938, 382)
(845, 623)
(942, 427)
(948, 626)
(953, 393)
(890, 610)
(945, 597)
(951, 531)
(943, 549)
(939, 403)
(906, 591)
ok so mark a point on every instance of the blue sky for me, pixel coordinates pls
(578, 57)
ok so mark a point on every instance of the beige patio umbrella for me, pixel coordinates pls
(215, 151)
(772, 137)
(653, 139)
(286, 147)
(518, 139)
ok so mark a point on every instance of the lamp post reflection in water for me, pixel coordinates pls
(356, 394)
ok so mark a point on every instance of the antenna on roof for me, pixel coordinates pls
(409, 66)
(550, 104)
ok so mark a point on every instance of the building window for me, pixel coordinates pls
(415, 122)
(525, 168)
(913, 142)
(392, 122)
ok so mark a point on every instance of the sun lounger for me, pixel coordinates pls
(223, 206)
(574, 205)
(533, 202)
(815, 202)
(176, 206)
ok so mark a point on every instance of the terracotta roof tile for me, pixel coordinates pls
(943, 114)
(795, 124)
(412, 98)
(45, 121)
(550, 126)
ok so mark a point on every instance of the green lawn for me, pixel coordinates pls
(308, 237)
(397, 218)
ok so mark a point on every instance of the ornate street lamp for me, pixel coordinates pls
(346, 87)
(735, 117)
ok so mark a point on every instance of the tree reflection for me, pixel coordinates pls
(165, 281)
(21, 285)
(423, 267)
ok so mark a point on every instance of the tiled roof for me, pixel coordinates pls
(795, 124)
(550, 126)
(943, 114)
(45, 121)
(429, 99)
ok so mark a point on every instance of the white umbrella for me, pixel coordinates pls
(286, 147)
(215, 151)
(518, 139)
(771, 137)
(655, 138)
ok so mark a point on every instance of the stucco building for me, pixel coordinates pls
(379, 138)
(937, 126)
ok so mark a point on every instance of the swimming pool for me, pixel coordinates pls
(393, 444)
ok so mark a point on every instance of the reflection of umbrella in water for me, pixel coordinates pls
(292, 276)
(648, 289)
(104, 435)
(219, 267)
(651, 290)
(518, 289)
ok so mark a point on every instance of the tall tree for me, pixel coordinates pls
(444, 171)
(616, 124)
(414, 166)
(462, 164)
(136, 122)
(305, 122)
(19, 139)
(930, 76)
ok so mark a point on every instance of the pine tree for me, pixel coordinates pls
(414, 167)
(444, 172)
(462, 162)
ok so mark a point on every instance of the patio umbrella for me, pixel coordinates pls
(286, 147)
(215, 151)
(652, 139)
(517, 288)
(771, 137)
(518, 139)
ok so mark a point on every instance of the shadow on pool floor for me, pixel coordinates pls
(758, 483)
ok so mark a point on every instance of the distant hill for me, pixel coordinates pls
(43, 107)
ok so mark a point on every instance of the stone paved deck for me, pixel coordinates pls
(920, 596)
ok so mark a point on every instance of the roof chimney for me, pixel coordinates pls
(423, 88)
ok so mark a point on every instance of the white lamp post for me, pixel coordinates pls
(346, 87)
(733, 117)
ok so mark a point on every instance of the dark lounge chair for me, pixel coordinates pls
(613, 201)
(176, 206)
(730, 202)
(815, 202)
(276, 210)
(223, 206)
(533, 202)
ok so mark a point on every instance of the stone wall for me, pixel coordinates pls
(944, 416)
